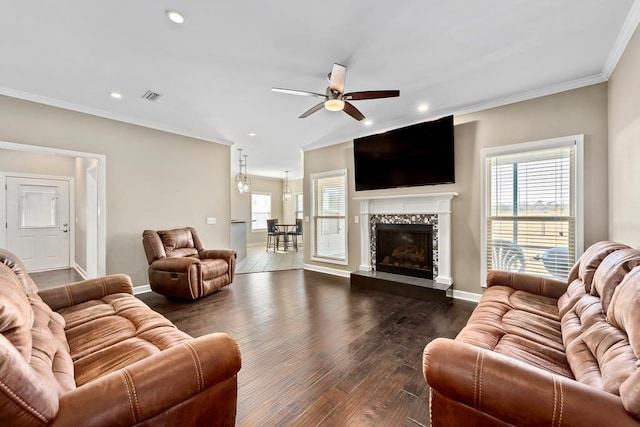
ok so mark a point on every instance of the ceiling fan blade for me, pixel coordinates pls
(372, 94)
(353, 111)
(295, 92)
(338, 76)
(312, 110)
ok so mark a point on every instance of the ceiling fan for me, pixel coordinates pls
(335, 99)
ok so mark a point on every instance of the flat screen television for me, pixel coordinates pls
(416, 155)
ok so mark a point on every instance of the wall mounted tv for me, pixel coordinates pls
(416, 155)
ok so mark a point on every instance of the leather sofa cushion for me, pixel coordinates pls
(16, 318)
(113, 332)
(183, 252)
(18, 269)
(212, 268)
(176, 239)
(35, 365)
(624, 312)
(598, 320)
(50, 353)
(591, 259)
(611, 272)
(521, 325)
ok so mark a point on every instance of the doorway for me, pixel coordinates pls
(38, 228)
(94, 222)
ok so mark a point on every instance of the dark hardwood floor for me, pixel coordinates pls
(315, 352)
(53, 278)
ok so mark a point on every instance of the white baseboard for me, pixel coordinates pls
(466, 296)
(80, 270)
(141, 289)
(326, 270)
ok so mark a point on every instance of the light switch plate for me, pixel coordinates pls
(211, 220)
(356, 219)
(306, 219)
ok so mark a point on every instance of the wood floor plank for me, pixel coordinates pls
(316, 352)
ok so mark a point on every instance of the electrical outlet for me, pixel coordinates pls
(211, 220)
(306, 219)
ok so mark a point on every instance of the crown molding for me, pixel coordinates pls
(624, 36)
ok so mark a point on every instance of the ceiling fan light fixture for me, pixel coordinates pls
(175, 17)
(334, 104)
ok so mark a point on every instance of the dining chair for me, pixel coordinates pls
(295, 233)
(273, 234)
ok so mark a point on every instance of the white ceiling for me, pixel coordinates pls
(215, 71)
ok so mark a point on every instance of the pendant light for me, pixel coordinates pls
(242, 180)
(286, 193)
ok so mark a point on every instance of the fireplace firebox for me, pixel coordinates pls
(405, 249)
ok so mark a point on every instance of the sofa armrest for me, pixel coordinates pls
(229, 255)
(513, 391)
(174, 265)
(160, 385)
(544, 286)
(225, 254)
(86, 290)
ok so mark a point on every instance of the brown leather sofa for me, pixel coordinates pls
(91, 354)
(180, 267)
(544, 352)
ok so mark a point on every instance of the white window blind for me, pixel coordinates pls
(299, 206)
(329, 216)
(531, 211)
(260, 211)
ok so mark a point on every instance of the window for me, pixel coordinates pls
(299, 209)
(532, 207)
(329, 224)
(260, 211)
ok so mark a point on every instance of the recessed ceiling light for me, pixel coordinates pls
(252, 134)
(423, 107)
(115, 95)
(175, 16)
(368, 122)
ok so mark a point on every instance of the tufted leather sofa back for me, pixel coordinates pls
(179, 242)
(600, 316)
(35, 363)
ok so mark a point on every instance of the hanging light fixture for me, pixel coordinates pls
(286, 193)
(242, 180)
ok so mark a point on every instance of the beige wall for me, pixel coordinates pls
(35, 163)
(580, 111)
(289, 208)
(624, 146)
(155, 179)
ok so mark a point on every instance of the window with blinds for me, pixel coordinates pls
(299, 206)
(329, 217)
(260, 211)
(531, 209)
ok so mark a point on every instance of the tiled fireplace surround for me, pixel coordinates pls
(427, 208)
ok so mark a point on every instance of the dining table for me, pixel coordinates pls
(286, 228)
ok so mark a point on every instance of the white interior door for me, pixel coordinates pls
(38, 226)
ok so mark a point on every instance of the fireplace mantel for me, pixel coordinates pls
(426, 203)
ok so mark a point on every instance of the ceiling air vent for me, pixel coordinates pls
(151, 95)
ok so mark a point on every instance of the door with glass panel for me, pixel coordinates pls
(38, 225)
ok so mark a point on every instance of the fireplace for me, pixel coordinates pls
(405, 249)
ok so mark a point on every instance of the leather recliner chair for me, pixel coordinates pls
(180, 267)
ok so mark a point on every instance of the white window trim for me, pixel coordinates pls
(312, 179)
(260, 193)
(565, 141)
